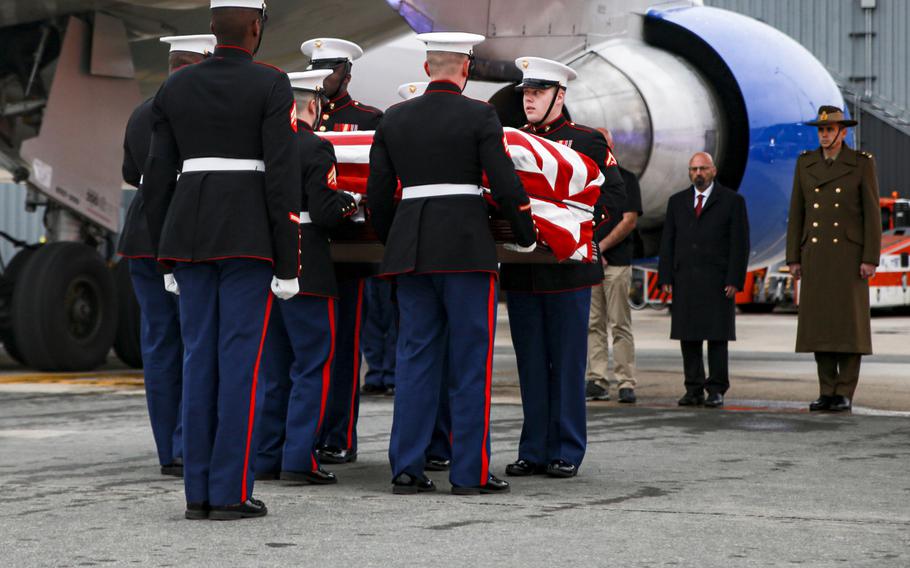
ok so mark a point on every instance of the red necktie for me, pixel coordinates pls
(701, 198)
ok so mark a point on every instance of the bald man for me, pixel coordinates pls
(704, 253)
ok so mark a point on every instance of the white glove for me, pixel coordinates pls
(358, 197)
(170, 284)
(285, 289)
(515, 247)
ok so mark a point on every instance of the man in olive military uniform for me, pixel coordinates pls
(833, 244)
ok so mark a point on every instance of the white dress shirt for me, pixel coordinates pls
(706, 193)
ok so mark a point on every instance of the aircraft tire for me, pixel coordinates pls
(65, 309)
(7, 288)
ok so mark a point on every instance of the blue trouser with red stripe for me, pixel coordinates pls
(380, 332)
(224, 314)
(441, 441)
(444, 315)
(339, 429)
(162, 356)
(550, 335)
(296, 367)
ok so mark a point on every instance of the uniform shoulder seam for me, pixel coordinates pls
(269, 65)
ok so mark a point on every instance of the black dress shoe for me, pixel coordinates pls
(197, 511)
(594, 391)
(714, 400)
(407, 484)
(823, 402)
(524, 468)
(316, 477)
(627, 396)
(372, 390)
(266, 476)
(247, 510)
(840, 403)
(332, 454)
(175, 469)
(559, 468)
(493, 485)
(436, 463)
(692, 400)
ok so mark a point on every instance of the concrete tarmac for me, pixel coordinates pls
(761, 483)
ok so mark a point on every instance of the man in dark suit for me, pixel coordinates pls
(704, 253)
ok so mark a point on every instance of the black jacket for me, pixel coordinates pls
(442, 137)
(607, 211)
(134, 238)
(699, 257)
(228, 107)
(344, 114)
(325, 207)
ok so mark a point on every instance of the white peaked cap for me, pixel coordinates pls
(330, 48)
(309, 80)
(456, 42)
(410, 90)
(203, 44)
(254, 4)
(539, 72)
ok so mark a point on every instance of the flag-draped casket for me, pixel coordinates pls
(562, 184)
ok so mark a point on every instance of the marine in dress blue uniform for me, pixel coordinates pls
(228, 228)
(338, 440)
(440, 249)
(439, 453)
(549, 304)
(300, 344)
(159, 330)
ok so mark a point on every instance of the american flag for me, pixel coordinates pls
(562, 184)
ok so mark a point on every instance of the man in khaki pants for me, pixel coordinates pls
(610, 311)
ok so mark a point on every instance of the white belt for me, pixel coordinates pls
(305, 217)
(222, 165)
(440, 190)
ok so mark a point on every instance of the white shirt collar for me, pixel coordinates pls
(706, 193)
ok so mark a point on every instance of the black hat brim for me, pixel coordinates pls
(845, 122)
(536, 84)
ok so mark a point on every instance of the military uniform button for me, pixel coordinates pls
(814, 239)
(837, 204)
(817, 190)
(835, 241)
(325, 117)
(816, 205)
(836, 224)
(331, 106)
(815, 223)
(837, 190)
(322, 129)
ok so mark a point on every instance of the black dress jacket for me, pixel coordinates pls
(227, 106)
(442, 137)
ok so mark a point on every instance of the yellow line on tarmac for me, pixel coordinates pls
(108, 379)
